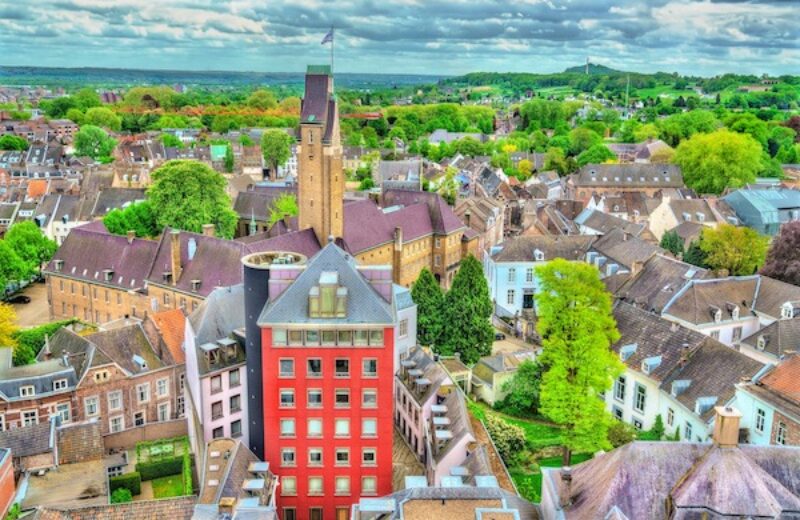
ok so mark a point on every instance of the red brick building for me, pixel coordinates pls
(7, 486)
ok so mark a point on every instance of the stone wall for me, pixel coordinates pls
(127, 439)
(80, 442)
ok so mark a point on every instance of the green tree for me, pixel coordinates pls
(187, 194)
(86, 98)
(76, 116)
(13, 142)
(581, 139)
(719, 160)
(31, 246)
(695, 255)
(448, 186)
(597, 154)
(8, 326)
(429, 298)
(276, 146)
(645, 132)
(577, 329)
(467, 326)
(672, 243)
(137, 217)
(539, 141)
(555, 159)
(738, 250)
(12, 267)
(229, 158)
(522, 390)
(102, 117)
(245, 140)
(121, 496)
(171, 140)
(95, 142)
(262, 99)
(284, 206)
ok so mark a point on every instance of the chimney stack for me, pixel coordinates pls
(208, 230)
(467, 217)
(397, 256)
(726, 426)
(566, 492)
(131, 236)
(175, 246)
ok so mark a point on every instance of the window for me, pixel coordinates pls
(715, 334)
(287, 398)
(369, 399)
(369, 368)
(687, 432)
(289, 513)
(342, 428)
(161, 387)
(369, 427)
(637, 423)
(163, 412)
(376, 338)
(288, 458)
(295, 337)
(180, 406)
(342, 486)
(279, 337)
(216, 384)
(115, 400)
(287, 428)
(529, 275)
(329, 337)
(288, 486)
(166, 298)
(510, 297)
(437, 260)
(619, 389)
(116, 424)
(617, 411)
(314, 428)
(286, 368)
(512, 275)
(670, 416)
(91, 404)
(761, 416)
(139, 419)
(235, 403)
(780, 433)
(342, 398)
(59, 384)
(369, 457)
(314, 368)
(314, 486)
(342, 368)
(342, 457)
(369, 485)
(233, 378)
(30, 417)
(312, 338)
(236, 428)
(314, 398)
(737, 334)
(641, 398)
(315, 456)
(361, 337)
(345, 337)
(143, 392)
(314, 513)
(27, 391)
(2, 423)
(63, 411)
(216, 410)
(437, 242)
(101, 375)
(403, 328)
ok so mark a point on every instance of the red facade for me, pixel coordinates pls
(344, 395)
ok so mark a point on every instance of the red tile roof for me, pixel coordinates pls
(171, 324)
(785, 378)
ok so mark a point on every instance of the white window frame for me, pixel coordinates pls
(365, 421)
(286, 489)
(87, 400)
(344, 490)
(319, 431)
(761, 419)
(111, 420)
(27, 420)
(164, 417)
(340, 432)
(143, 413)
(27, 391)
(68, 417)
(287, 451)
(60, 384)
(374, 462)
(286, 432)
(139, 388)
(373, 490)
(511, 297)
(403, 328)
(111, 396)
(282, 374)
(162, 383)
(639, 394)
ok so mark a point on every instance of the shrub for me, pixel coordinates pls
(509, 438)
(187, 473)
(620, 433)
(160, 468)
(121, 496)
(130, 481)
(13, 512)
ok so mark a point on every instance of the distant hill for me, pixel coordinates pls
(594, 69)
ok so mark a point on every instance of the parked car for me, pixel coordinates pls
(499, 336)
(20, 298)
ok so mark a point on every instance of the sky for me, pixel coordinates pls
(405, 36)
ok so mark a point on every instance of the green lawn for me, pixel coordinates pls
(169, 486)
(538, 433)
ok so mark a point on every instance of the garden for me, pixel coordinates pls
(164, 466)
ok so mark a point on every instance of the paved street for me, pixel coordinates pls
(36, 312)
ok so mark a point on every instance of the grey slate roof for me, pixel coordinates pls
(29, 440)
(623, 248)
(627, 176)
(521, 248)
(219, 315)
(658, 281)
(603, 222)
(364, 304)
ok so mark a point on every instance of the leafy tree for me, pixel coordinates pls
(30, 341)
(522, 390)
(577, 329)
(367, 183)
(738, 250)
(187, 194)
(245, 140)
(448, 186)
(747, 123)
(76, 116)
(695, 255)
(719, 160)
(86, 98)
(539, 141)
(525, 167)
(620, 433)
(13, 142)
(672, 243)
(645, 132)
(663, 155)
(12, 267)
(171, 141)
(783, 258)
(581, 139)
(30, 245)
(290, 104)
(597, 154)
(138, 217)
(467, 327)
(102, 117)
(262, 99)
(8, 326)
(121, 496)
(95, 142)
(229, 158)
(429, 298)
(276, 145)
(509, 438)
(469, 146)
(284, 206)
(555, 159)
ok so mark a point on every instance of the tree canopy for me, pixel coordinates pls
(783, 258)
(429, 298)
(262, 99)
(276, 145)
(719, 160)
(12, 267)
(8, 325)
(102, 117)
(94, 142)
(284, 206)
(187, 194)
(13, 142)
(672, 243)
(738, 250)
(523, 389)
(597, 154)
(30, 245)
(137, 217)
(577, 329)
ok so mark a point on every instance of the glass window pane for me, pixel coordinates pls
(279, 336)
(312, 337)
(361, 337)
(376, 337)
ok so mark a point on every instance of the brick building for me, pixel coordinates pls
(770, 405)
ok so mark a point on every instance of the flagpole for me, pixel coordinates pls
(333, 39)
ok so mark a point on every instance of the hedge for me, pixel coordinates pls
(130, 481)
(160, 468)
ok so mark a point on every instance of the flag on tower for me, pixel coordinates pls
(328, 37)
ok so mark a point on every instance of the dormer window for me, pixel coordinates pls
(761, 343)
(58, 264)
(787, 311)
(716, 313)
(700, 216)
(195, 285)
(328, 299)
(27, 391)
(538, 255)
(108, 275)
(59, 384)
(627, 351)
(687, 217)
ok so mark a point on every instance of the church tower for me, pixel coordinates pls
(320, 173)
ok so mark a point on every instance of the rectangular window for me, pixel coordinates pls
(162, 388)
(670, 416)
(289, 513)
(369, 485)
(59, 384)
(288, 458)
(510, 297)
(235, 403)
(315, 456)
(287, 398)
(329, 337)
(312, 338)
(30, 418)
(361, 337)
(369, 457)
(512, 275)
(345, 338)
(287, 428)
(376, 338)
(166, 298)
(92, 406)
(216, 384)
(619, 389)
(641, 398)
(369, 368)
(342, 398)
(342, 368)
(116, 424)
(295, 337)
(369, 398)
(315, 486)
(286, 368)
(314, 398)
(27, 391)
(737, 334)
(342, 428)
(687, 432)
(342, 486)
(529, 275)
(279, 337)
(761, 416)
(314, 368)
(314, 428)
(342, 457)
(139, 419)
(143, 392)
(403, 328)
(233, 378)
(115, 400)
(163, 412)
(2, 423)
(780, 434)
(289, 486)
(236, 428)
(715, 334)
(437, 242)
(63, 411)
(369, 428)
(637, 423)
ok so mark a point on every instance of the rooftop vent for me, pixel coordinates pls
(139, 362)
(680, 386)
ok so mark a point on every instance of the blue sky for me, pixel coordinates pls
(405, 36)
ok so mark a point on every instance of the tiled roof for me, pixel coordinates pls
(256, 203)
(315, 101)
(700, 299)
(785, 378)
(522, 248)
(29, 440)
(221, 313)
(121, 344)
(171, 325)
(692, 208)
(623, 248)
(772, 294)
(658, 281)
(180, 508)
(623, 176)
(443, 219)
(604, 222)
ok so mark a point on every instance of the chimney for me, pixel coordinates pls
(726, 426)
(625, 236)
(208, 230)
(565, 498)
(226, 505)
(636, 267)
(467, 217)
(131, 236)
(397, 256)
(175, 242)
